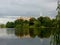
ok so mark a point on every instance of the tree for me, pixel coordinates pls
(41, 20)
(31, 21)
(54, 22)
(2, 25)
(19, 22)
(45, 21)
(10, 25)
(37, 24)
(56, 34)
(58, 15)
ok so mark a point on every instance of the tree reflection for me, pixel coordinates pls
(33, 32)
(44, 32)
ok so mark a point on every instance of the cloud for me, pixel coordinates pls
(24, 7)
(5, 19)
(27, 8)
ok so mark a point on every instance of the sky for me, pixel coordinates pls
(12, 9)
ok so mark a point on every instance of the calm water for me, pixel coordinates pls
(7, 37)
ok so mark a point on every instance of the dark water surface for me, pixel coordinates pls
(7, 37)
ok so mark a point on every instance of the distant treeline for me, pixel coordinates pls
(2, 26)
(40, 22)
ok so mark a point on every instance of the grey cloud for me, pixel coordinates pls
(26, 7)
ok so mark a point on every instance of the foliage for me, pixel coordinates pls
(45, 21)
(2, 26)
(56, 34)
(10, 25)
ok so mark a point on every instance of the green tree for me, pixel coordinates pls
(19, 22)
(2, 26)
(41, 20)
(10, 25)
(31, 21)
(56, 34)
(54, 22)
(45, 21)
(37, 24)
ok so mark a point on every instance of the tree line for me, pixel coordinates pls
(42, 22)
(34, 27)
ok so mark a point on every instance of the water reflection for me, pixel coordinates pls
(33, 32)
(3, 32)
(9, 38)
(10, 31)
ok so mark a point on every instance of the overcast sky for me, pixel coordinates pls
(11, 9)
